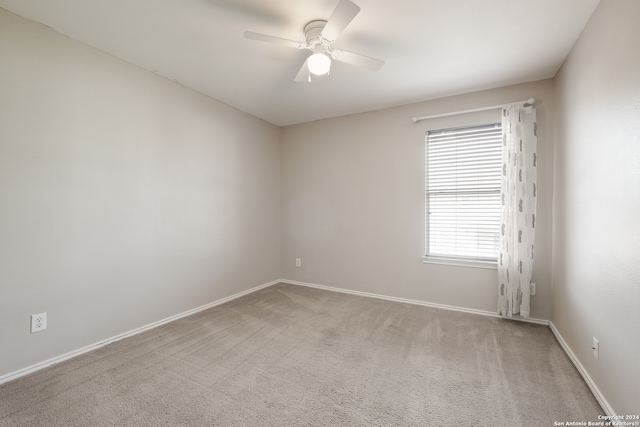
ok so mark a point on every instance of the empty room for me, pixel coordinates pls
(329, 212)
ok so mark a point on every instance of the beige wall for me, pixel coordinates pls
(124, 197)
(596, 244)
(353, 202)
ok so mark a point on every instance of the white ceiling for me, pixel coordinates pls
(432, 48)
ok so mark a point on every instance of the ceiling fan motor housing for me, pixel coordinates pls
(313, 33)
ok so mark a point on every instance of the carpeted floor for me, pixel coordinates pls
(295, 356)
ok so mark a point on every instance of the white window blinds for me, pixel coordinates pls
(463, 192)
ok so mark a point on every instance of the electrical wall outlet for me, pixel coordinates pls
(38, 322)
(298, 262)
(595, 347)
(532, 288)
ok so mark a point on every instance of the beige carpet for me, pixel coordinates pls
(294, 356)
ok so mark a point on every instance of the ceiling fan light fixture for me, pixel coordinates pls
(319, 64)
(319, 38)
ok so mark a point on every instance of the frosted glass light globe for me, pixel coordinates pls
(319, 64)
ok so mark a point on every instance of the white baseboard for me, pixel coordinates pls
(38, 366)
(416, 302)
(585, 375)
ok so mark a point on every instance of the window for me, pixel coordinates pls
(462, 207)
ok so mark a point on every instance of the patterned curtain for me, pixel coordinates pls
(518, 212)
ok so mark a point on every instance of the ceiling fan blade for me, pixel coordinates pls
(272, 39)
(303, 74)
(357, 59)
(340, 18)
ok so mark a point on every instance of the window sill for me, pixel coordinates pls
(492, 265)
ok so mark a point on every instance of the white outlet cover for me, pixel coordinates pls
(595, 347)
(38, 322)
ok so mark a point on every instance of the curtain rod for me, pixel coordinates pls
(529, 101)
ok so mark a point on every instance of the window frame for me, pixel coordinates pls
(452, 259)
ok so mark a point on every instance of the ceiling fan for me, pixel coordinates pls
(320, 36)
